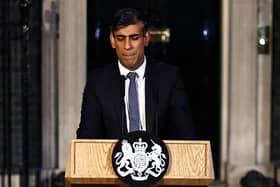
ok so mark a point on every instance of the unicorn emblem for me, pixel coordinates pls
(135, 161)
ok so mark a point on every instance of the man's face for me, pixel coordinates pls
(129, 43)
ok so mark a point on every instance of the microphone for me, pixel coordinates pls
(156, 124)
(156, 96)
(122, 86)
(122, 104)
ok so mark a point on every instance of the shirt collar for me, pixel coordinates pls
(140, 71)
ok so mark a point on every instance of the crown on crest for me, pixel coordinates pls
(140, 146)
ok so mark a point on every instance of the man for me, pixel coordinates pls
(155, 100)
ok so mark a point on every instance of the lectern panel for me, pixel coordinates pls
(93, 159)
(89, 162)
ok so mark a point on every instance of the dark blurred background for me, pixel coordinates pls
(192, 42)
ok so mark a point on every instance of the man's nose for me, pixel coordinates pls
(127, 44)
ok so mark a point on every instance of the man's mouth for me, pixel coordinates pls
(132, 54)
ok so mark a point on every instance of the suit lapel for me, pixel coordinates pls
(151, 98)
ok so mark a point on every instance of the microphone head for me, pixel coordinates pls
(122, 88)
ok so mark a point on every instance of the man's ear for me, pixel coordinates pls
(112, 40)
(147, 38)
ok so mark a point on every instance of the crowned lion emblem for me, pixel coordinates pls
(136, 161)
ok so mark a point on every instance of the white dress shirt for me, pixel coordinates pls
(140, 83)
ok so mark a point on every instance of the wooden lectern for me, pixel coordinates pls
(89, 162)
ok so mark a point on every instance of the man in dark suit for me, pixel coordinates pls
(163, 107)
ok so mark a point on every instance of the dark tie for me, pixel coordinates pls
(133, 107)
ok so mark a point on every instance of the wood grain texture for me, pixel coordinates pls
(89, 162)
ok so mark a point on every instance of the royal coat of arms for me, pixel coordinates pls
(139, 162)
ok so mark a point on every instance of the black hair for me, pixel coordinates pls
(128, 16)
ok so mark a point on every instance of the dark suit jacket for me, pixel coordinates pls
(167, 109)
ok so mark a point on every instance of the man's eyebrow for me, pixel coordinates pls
(131, 35)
